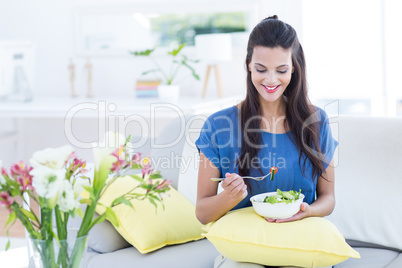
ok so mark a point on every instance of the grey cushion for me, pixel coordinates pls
(104, 238)
(365, 145)
(198, 254)
(396, 263)
(370, 258)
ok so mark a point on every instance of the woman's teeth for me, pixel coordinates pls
(271, 88)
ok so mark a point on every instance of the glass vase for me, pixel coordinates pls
(63, 254)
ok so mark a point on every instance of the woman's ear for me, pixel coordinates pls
(293, 69)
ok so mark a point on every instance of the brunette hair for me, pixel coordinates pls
(272, 32)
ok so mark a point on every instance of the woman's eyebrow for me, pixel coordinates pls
(280, 66)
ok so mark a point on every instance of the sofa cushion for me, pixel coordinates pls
(370, 258)
(167, 148)
(104, 238)
(369, 180)
(149, 229)
(197, 254)
(188, 177)
(242, 235)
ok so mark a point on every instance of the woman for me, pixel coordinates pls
(275, 125)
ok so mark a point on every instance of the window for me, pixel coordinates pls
(117, 31)
(344, 53)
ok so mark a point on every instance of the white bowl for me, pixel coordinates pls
(277, 210)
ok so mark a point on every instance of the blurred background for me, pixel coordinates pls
(81, 48)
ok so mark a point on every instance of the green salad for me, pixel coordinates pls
(283, 197)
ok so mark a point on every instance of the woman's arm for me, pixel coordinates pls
(210, 205)
(325, 202)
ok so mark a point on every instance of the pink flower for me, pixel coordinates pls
(117, 166)
(4, 172)
(6, 200)
(16, 169)
(118, 153)
(78, 163)
(73, 155)
(163, 185)
(146, 166)
(20, 173)
(136, 159)
(120, 162)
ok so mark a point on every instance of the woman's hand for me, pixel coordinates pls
(234, 186)
(305, 211)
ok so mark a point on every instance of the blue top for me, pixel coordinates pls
(220, 142)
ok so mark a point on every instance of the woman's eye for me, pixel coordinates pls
(260, 70)
(282, 72)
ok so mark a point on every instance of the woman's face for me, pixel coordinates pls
(271, 70)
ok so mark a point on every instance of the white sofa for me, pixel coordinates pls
(368, 199)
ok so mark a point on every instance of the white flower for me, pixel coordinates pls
(47, 181)
(66, 199)
(2, 179)
(52, 157)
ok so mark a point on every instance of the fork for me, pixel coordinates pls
(272, 171)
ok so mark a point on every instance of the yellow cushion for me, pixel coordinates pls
(244, 236)
(148, 229)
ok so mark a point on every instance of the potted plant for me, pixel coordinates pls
(55, 179)
(169, 89)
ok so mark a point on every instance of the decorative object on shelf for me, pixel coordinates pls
(71, 68)
(16, 70)
(168, 77)
(212, 49)
(55, 179)
(89, 68)
(147, 88)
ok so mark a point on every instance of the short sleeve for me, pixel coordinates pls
(327, 142)
(208, 144)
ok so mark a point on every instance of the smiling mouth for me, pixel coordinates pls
(271, 89)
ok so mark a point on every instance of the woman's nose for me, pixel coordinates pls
(271, 78)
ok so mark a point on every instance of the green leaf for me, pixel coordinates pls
(79, 212)
(155, 198)
(176, 51)
(28, 214)
(99, 219)
(90, 190)
(86, 201)
(142, 53)
(122, 200)
(11, 219)
(8, 244)
(111, 216)
(151, 71)
(138, 178)
(134, 194)
(155, 175)
(196, 76)
(136, 166)
(153, 202)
